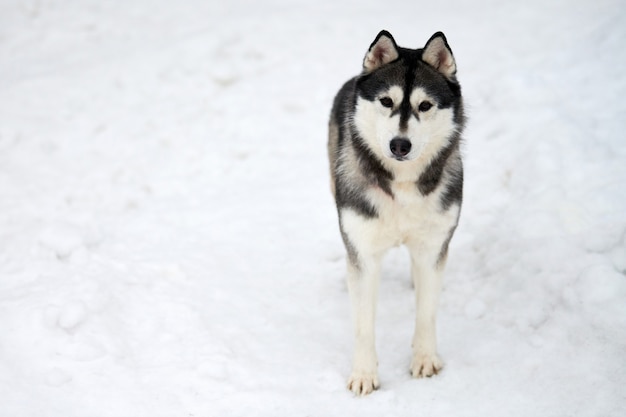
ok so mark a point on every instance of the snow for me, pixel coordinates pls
(169, 245)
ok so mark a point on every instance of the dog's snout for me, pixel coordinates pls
(400, 147)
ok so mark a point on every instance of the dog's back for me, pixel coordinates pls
(338, 124)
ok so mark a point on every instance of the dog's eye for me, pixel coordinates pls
(424, 106)
(386, 102)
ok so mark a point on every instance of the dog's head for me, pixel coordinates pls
(408, 100)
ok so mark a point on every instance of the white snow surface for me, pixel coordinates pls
(169, 245)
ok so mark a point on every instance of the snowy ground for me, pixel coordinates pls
(169, 246)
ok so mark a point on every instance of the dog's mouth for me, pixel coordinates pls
(400, 158)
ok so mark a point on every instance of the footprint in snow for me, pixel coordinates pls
(72, 315)
(62, 239)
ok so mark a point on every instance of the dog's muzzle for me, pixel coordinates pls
(400, 147)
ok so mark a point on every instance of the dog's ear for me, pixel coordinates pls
(382, 51)
(437, 53)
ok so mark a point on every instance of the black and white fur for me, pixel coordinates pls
(397, 178)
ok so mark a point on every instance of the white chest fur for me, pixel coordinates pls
(406, 218)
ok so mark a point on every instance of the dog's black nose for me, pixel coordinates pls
(400, 147)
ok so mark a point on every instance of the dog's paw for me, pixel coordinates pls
(424, 365)
(362, 383)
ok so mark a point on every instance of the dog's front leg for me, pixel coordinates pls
(363, 280)
(427, 272)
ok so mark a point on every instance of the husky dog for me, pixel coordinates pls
(397, 178)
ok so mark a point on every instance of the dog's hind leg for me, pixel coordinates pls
(427, 274)
(363, 281)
